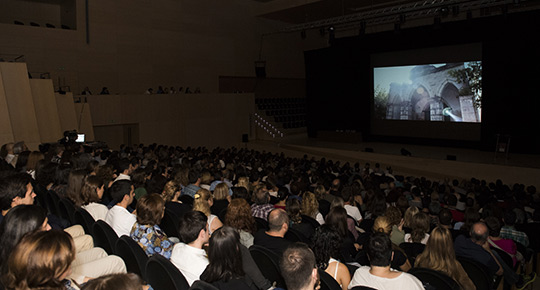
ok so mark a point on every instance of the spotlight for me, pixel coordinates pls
(447, 111)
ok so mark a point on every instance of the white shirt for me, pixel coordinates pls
(120, 220)
(123, 176)
(362, 277)
(319, 218)
(408, 239)
(190, 261)
(353, 212)
(97, 210)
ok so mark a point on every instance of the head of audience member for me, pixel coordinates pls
(127, 281)
(382, 224)
(224, 255)
(293, 210)
(494, 226)
(41, 260)
(310, 204)
(408, 216)
(194, 177)
(320, 191)
(240, 192)
(445, 217)
(92, 190)
(420, 227)
(298, 267)
(394, 215)
(19, 221)
(509, 217)
(243, 181)
(337, 202)
(16, 189)
(379, 250)
(337, 218)
(326, 243)
(74, 186)
(171, 191)
(479, 233)
(123, 166)
(193, 228)
(260, 195)
(278, 222)
(203, 201)
(33, 159)
(150, 209)
(221, 192)
(439, 254)
(239, 216)
(122, 192)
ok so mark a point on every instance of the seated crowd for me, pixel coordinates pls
(358, 226)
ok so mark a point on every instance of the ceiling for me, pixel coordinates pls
(345, 14)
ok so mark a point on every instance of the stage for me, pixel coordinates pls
(428, 161)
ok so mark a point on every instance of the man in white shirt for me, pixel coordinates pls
(189, 257)
(118, 217)
(124, 169)
(379, 275)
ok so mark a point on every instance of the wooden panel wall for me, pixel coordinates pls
(46, 110)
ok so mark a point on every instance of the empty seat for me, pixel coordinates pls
(162, 274)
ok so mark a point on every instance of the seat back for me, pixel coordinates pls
(83, 218)
(412, 250)
(169, 223)
(328, 282)
(104, 236)
(202, 285)
(295, 236)
(66, 209)
(478, 273)
(438, 280)
(133, 255)
(162, 274)
(309, 220)
(261, 224)
(52, 200)
(268, 262)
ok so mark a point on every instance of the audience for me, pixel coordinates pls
(118, 217)
(239, 217)
(379, 275)
(274, 238)
(203, 201)
(146, 232)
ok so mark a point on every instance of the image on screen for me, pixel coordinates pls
(444, 92)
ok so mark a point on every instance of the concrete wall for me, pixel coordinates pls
(134, 45)
(185, 120)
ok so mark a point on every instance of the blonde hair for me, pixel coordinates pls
(310, 205)
(408, 216)
(382, 224)
(200, 201)
(170, 189)
(439, 254)
(221, 191)
(320, 191)
(244, 182)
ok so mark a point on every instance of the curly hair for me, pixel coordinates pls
(326, 243)
(170, 189)
(310, 204)
(239, 216)
(394, 215)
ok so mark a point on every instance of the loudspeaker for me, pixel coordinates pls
(451, 157)
(260, 69)
(245, 138)
(368, 149)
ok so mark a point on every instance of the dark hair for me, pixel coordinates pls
(119, 189)
(420, 227)
(239, 216)
(297, 264)
(379, 250)
(326, 243)
(22, 159)
(190, 225)
(240, 192)
(293, 210)
(75, 184)
(494, 226)
(276, 218)
(445, 217)
(18, 221)
(89, 189)
(12, 186)
(125, 281)
(347, 193)
(224, 255)
(122, 165)
(150, 209)
(510, 217)
(337, 218)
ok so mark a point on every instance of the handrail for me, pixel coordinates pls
(267, 126)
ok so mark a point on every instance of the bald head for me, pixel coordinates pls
(276, 218)
(479, 233)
